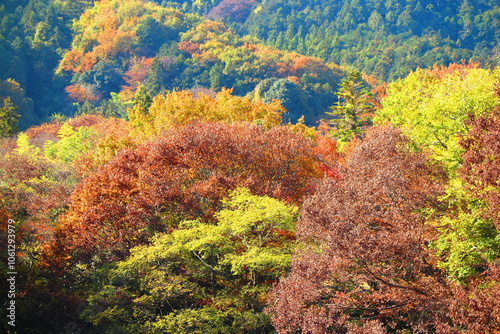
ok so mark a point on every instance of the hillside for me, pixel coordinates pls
(387, 39)
(242, 167)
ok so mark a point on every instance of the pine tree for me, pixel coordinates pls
(8, 118)
(353, 109)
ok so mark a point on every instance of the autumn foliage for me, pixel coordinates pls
(181, 108)
(364, 265)
(481, 167)
(188, 178)
(181, 175)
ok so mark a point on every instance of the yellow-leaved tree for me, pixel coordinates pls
(181, 108)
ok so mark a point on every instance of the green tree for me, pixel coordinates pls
(8, 118)
(202, 278)
(71, 143)
(354, 108)
(431, 106)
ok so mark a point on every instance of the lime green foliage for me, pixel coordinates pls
(466, 242)
(71, 143)
(24, 147)
(201, 278)
(208, 320)
(432, 109)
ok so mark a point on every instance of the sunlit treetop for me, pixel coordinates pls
(431, 106)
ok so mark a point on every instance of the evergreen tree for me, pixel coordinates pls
(354, 107)
(8, 118)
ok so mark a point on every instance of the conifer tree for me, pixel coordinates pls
(354, 107)
(8, 118)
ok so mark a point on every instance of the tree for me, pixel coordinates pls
(363, 264)
(469, 239)
(210, 278)
(139, 115)
(17, 99)
(8, 118)
(291, 96)
(233, 10)
(181, 108)
(481, 166)
(431, 106)
(354, 107)
(71, 143)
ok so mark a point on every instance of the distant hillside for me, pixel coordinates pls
(385, 38)
(84, 56)
(60, 61)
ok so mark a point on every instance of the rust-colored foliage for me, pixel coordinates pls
(364, 266)
(481, 166)
(180, 108)
(34, 191)
(442, 71)
(477, 305)
(183, 175)
(43, 130)
(80, 93)
(189, 48)
(86, 120)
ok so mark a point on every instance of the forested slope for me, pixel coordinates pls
(385, 38)
(165, 181)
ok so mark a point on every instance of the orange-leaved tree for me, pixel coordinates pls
(182, 175)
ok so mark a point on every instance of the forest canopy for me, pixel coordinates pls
(236, 166)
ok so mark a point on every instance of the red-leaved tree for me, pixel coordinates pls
(364, 265)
